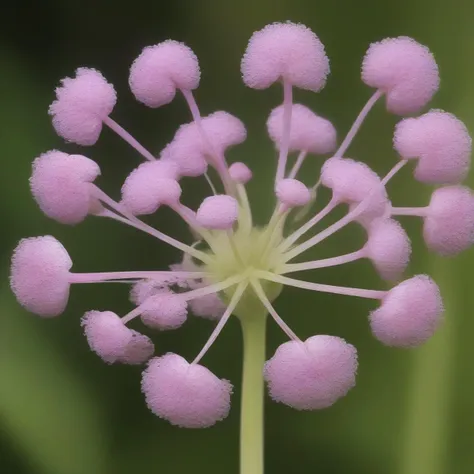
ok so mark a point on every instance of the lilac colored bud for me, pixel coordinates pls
(186, 395)
(81, 105)
(240, 172)
(60, 183)
(449, 223)
(160, 70)
(287, 51)
(404, 70)
(311, 375)
(351, 181)
(151, 185)
(112, 341)
(440, 142)
(388, 247)
(218, 212)
(292, 193)
(40, 275)
(308, 131)
(164, 310)
(409, 314)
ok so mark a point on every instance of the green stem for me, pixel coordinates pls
(251, 416)
(427, 422)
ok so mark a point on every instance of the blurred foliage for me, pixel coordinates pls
(62, 411)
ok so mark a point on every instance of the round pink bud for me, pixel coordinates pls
(308, 132)
(404, 70)
(449, 224)
(218, 212)
(81, 105)
(409, 313)
(150, 185)
(224, 130)
(186, 395)
(292, 193)
(287, 51)
(352, 182)
(60, 183)
(160, 70)
(164, 310)
(143, 289)
(186, 150)
(209, 306)
(311, 375)
(40, 275)
(114, 342)
(240, 172)
(388, 247)
(441, 143)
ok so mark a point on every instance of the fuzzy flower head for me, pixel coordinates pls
(230, 267)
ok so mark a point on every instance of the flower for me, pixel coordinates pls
(232, 266)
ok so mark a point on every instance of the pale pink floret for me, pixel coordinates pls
(164, 310)
(404, 70)
(292, 193)
(287, 51)
(388, 247)
(351, 182)
(151, 185)
(186, 395)
(311, 375)
(240, 172)
(208, 307)
(187, 151)
(449, 224)
(81, 105)
(60, 183)
(218, 212)
(160, 70)
(308, 131)
(441, 143)
(40, 275)
(409, 314)
(143, 289)
(224, 130)
(112, 341)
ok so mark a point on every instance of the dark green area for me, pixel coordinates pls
(62, 411)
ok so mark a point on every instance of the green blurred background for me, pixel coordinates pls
(62, 411)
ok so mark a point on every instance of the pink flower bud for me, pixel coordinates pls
(409, 314)
(209, 306)
(404, 70)
(60, 183)
(218, 212)
(186, 395)
(308, 132)
(223, 130)
(81, 105)
(112, 341)
(160, 70)
(311, 375)
(240, 172)
(351, 182)
(441, 143)
(164, 310)
(40, 275)
(388, 247)
(449, 224)
(287, 51)
(186, 150)
(292, 193)
(150, 185)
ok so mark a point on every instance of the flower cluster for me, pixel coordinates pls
(233, 266)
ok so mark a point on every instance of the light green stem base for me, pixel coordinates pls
(251, 415)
